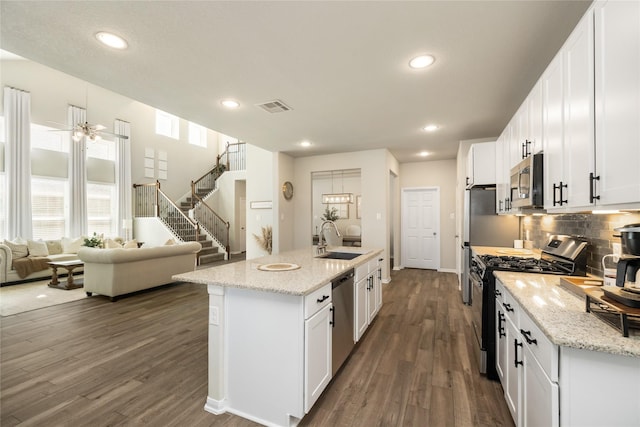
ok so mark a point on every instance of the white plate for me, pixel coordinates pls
(278, 266)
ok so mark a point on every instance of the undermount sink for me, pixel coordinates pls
(340, 255)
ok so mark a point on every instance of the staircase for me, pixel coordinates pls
(193, 219)
(209, 252)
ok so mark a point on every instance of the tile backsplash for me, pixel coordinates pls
(597, 229)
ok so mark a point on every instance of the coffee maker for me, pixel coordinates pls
(629, 263)
(627, 269)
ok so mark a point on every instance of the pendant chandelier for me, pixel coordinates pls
(337, 198)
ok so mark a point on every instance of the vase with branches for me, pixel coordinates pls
(330, 214)
(266, 240)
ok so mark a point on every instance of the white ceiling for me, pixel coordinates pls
(341, 66)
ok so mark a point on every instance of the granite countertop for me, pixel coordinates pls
(504, 251)
(312, 274)
(562, 317)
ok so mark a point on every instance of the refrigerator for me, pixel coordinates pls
(483, 227)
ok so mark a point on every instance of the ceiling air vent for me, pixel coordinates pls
(275, 106)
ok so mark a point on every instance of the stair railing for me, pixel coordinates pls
(233, 158)
(151, 201)
(211, 222)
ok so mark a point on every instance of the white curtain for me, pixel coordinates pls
(77, 177)
(17, 110)
(123, 176)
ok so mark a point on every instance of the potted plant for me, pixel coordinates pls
(330, 214)
(94, 241)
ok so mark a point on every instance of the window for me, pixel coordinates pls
(101, 209)
(197, 135)
(167, 125)
(101, 149)
(48, 138)
(3, 196)
(48, 207)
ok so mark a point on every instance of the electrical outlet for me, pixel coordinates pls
(214, 316)
(617, 248)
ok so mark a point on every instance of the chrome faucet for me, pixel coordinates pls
(322, 245)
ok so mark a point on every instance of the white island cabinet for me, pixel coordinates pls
(270, 334)
(558, 364)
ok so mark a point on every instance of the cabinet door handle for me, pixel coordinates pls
(524, 150)
(516, 344)
(497, 292)
(562, 200)
(555, 188)
(467, 180)
(508, 307)
(500, 205)
(332, 322)
(380, 274)
(527, 336)
(527, 147)
(323, 299)
(501, 319)
(592, 190)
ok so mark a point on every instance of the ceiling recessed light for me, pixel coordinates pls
(305, 144)
(430, 128)
(111, 40)
(230, 103)
(422, 61)
(424, 153)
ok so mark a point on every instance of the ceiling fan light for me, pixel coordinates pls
(111, 40)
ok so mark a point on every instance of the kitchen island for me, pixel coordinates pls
(270, 331)
(558, 364)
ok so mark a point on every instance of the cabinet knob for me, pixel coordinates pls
(527, 336)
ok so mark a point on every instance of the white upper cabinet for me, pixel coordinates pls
(481, 166)
(568, 121)
(617, 101)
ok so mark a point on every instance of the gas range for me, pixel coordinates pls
(563, 255)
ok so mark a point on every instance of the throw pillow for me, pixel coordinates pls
(54, 247)
(17, 250)
(131, 244)
(111, 244)
(37, 248)
(170, 242)
(71, 245)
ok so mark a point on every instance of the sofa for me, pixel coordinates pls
(119, 271)
(35, 254)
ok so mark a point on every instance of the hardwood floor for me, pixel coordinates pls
(143, 360)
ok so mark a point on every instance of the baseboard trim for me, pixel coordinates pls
(398, 268)
(447, 270)
(215, 407)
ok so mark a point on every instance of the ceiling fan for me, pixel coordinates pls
(93, 132)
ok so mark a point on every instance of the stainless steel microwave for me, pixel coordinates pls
(527, 183)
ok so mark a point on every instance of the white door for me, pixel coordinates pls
(242, 224)
(420, 228)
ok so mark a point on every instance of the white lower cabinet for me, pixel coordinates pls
(513, 357)
(527, 364)
(317, 355)
(368, 295)
(540, 402)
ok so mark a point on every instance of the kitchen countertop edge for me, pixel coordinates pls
(314, 272)
(562, 316)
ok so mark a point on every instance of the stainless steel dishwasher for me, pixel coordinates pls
(342, 339)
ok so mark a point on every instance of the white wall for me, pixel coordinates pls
(52, 91)
(375, 166)
(441, 174)
(260, 187)
(284, 211)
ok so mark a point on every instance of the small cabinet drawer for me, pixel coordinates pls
(317, 300)
(362, 271)
(511, 307)
(499, 292)
(545, 352)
